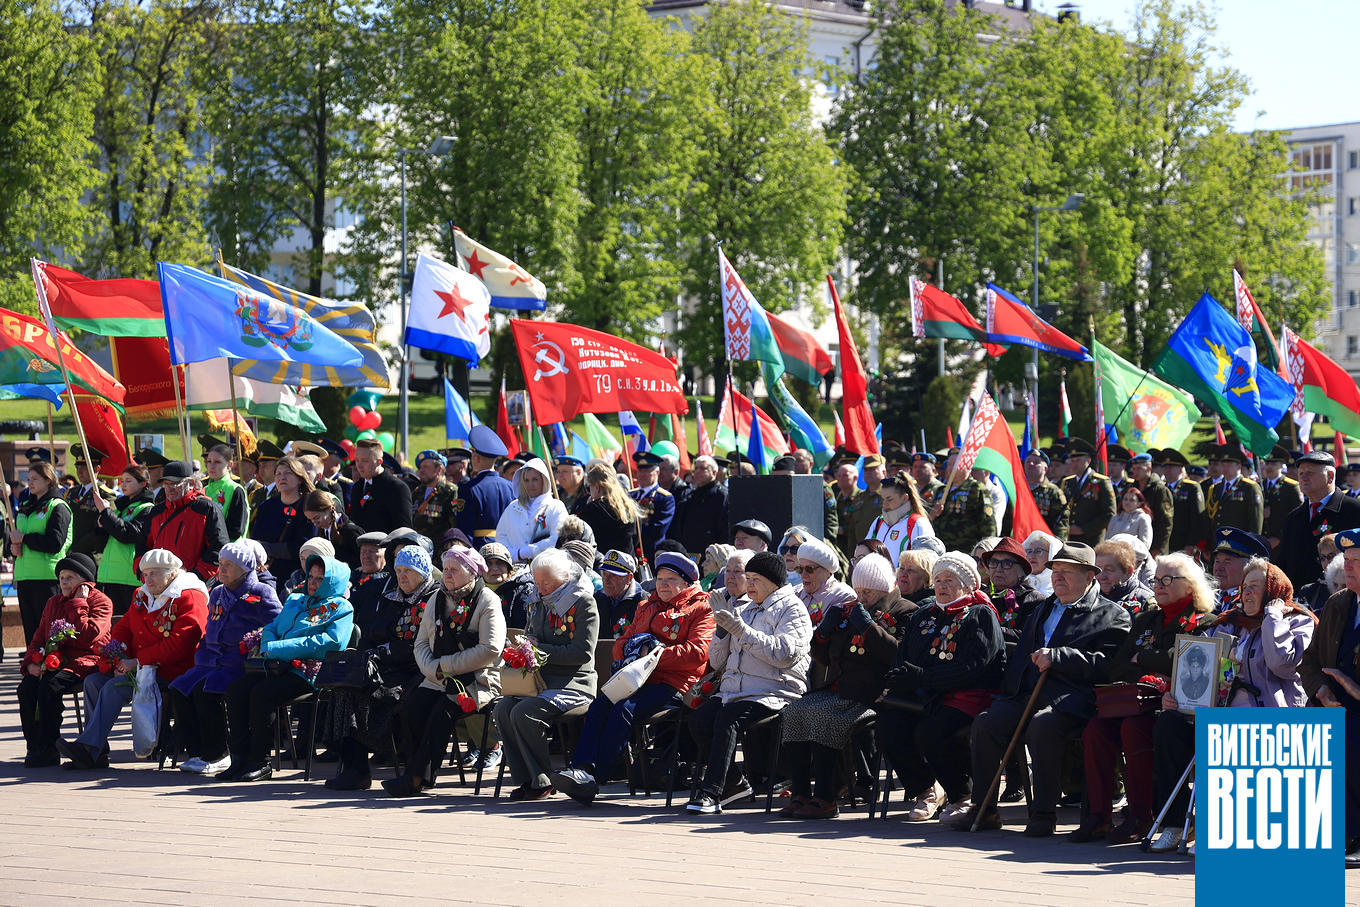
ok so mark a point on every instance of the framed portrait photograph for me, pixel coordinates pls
(1194, 671)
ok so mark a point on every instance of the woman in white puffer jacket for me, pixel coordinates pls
(529, 525)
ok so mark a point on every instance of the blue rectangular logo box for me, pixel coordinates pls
(1269, 805)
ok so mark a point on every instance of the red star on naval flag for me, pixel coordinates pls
(454, 301)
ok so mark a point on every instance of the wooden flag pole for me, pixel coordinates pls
(51, 436)
(4, 504)
(175, 373)
(46, 311)
(235, 416)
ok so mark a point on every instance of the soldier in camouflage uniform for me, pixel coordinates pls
(1189, 523)
(1280, 493)
(1157, 496)
(432, 505)
(1236, 501)
(1090, 495)
(964, 516)
(927, 485)
(1049, 497)
(86, 535)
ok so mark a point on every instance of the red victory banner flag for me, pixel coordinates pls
(28, 354)
(991, 446)
(859, 432)
(570, 370)
(104, 431)
(142, 364)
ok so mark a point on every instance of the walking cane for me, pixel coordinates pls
(1015, 739)
(1185, 831)
(1157, 825)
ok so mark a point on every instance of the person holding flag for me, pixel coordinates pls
(656, 505)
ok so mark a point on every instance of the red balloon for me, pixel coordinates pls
(347, 446)
(374, 420)
(356, 416)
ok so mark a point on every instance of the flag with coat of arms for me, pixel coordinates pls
(450, 311)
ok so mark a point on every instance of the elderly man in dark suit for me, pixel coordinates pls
(1324, 510)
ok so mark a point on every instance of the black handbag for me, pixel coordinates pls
(349, 670)
(258, 664)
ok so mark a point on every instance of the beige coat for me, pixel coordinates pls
(488, 622)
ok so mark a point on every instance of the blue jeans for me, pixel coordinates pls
(609, 725)
(105, 696)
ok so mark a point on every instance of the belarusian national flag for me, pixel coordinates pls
(934, 313)
(1327, 389)
(746, 329)
(705, 444)
(123, 307)
(991, 446)
(1064, 410)
(804, 357)
(771, 437)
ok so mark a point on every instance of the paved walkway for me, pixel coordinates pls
(133, 834)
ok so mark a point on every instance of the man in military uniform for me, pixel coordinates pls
(434, 502)
(1158, 497)
(865, 505)
(267, 455)
(965, 515)
(1047, 495)
(928, 486)
(86, 535)
(1189, 521)
(570, 473)
(1118, 457)
(655, 504)
(844, 489)
(1280, 493)
(1352, 489)
(1236, 501)
(485, 496)
(898, 460)
(457, 469)
(1090, 495)
(331, 464)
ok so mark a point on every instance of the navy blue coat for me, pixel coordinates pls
(484, 498)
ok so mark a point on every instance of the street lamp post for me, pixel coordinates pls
(438, 148)
(1073, 203)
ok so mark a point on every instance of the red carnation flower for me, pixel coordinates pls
(466, 702)
(52, 661)
(706, 687)
(37, 658)
(297, 663)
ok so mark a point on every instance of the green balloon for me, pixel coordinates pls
(366, 399)
(387, 440)
(365, 435)
(351, 432)
(666, 449)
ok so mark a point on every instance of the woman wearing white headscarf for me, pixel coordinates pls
(529, 525)
(1039, 548)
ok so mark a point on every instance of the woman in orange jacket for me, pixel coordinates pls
(676, 617)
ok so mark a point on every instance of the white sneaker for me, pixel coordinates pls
(195, 765)
(1166, 842)
(955, 810)
(221, 765)
(925, 806)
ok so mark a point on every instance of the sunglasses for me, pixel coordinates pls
(789, 549)
(1005, 563)
(812, 569)
(1167, 580)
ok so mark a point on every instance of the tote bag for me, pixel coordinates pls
(628, 679)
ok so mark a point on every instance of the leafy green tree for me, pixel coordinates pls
(767, 184)
(149, 133)
(47, 89)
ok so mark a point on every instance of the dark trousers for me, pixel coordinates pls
(33, 595)
(40, 707)
(609, 725)
(120, 595)
(925, 748)
(252, 703)
(200, 723)
(1046, 737)
(1102, 742)
(1173, 735)
(427, 718)
(815, 769)
(1352, 776)
(716, 729)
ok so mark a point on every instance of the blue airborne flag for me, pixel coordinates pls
(458, 416)
(207, 317)
(1213, 357)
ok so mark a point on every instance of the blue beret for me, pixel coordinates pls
(1142, 458)
(431, 455)
(923, 457)
(567, 461)
(1348, 539)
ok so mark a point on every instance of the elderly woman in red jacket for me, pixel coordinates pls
(187, 522)
(64, 649)
(161, 629)
(677, 617)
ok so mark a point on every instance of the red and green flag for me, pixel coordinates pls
(991, 446)
(1326, 388)
(28, 355)
(122, 307)
(804, 357)
(934, 313)
(738, 406)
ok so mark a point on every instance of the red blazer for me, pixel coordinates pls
(684, 626)
(167, 638)
(89, 611)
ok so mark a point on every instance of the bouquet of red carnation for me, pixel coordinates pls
(1156, 680)
(465, 702)
(57, 632)
(309, 667)
(524, 656)
(250, 642)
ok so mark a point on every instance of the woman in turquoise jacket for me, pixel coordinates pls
(311, 624)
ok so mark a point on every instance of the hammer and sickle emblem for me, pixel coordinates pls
(555, 364)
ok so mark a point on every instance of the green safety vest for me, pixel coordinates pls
(224, 491)
(32, 564)
(116, 564)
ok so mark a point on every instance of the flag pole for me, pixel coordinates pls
(235, 416)
(736, 435)
(637, 511)
(46, 310)
(535, 430)
(51, 436)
